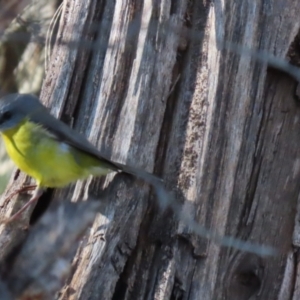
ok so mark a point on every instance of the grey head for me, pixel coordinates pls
(14, 108)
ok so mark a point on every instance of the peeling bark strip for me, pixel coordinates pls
(225, 137)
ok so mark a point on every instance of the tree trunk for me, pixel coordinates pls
(150, 84)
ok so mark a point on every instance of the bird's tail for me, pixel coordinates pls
(155, 181)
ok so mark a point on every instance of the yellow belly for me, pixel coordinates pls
(50, 162)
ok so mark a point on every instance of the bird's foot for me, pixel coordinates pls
(21, 190)
(36, 195)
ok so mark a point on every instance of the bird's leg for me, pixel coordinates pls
(36, 195)
(23, 189)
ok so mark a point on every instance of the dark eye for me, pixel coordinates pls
(5, 116)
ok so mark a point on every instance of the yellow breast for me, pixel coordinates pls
(39, 154)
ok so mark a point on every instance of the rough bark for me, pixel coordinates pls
(158, 91)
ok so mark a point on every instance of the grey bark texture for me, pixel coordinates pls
(151, 84)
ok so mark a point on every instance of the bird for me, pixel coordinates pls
(51, 152)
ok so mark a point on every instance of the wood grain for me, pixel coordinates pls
(158, 90)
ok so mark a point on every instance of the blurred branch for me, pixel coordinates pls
(10, 10)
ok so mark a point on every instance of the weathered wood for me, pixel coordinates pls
(221, 128)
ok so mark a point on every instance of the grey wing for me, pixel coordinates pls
(76, 140)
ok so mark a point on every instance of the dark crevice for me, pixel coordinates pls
(293, 54)
(182, 57)
(174, 7)
(169, 114)
(98, 31)
(177, 292)
(90, 34)
(121, 285)
(16, 174)
(41, 206)
(121, 288)
(251, 190)
(151, 41)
